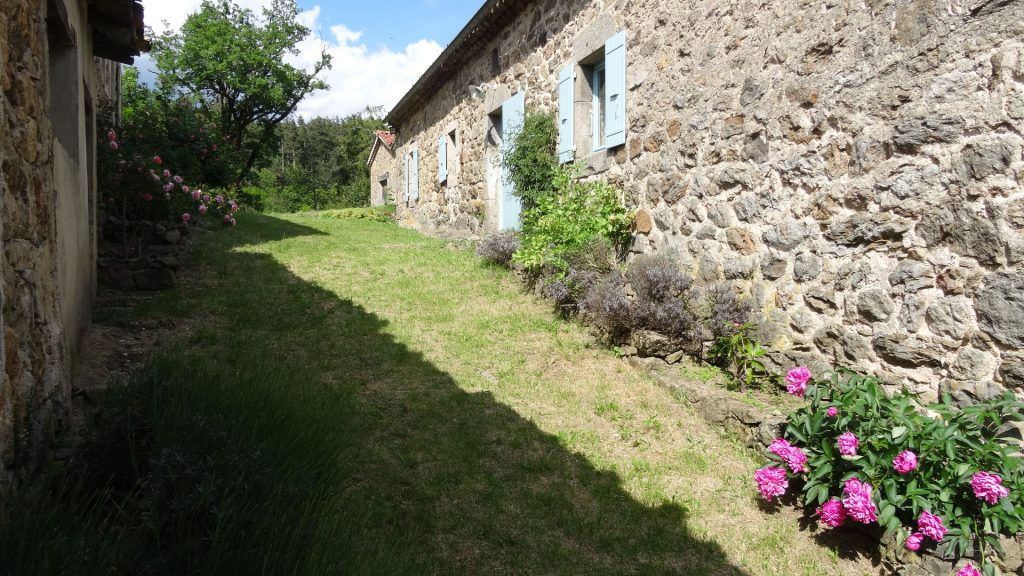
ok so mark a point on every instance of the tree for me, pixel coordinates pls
(233, 62)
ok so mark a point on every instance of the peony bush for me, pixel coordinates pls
(932, 476)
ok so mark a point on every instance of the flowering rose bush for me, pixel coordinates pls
(947, 479)
(138, 187)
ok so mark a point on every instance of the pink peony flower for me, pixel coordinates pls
(157, 160)
(186, 217)
(771, 481)
(794, 456)
(185, 189)
(202, 208)
(931, 526)
(913, 542)
(905, 462)
(220, 198)
(206, 198)
(168, 187)
(968, 570)
(796, 380)
(178, 179)
(832, 513)
(858, 503)
(113, 145)
(832, 412)
(167, 173)
(988, 487)
(848, 444)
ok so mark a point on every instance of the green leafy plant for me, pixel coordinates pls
(911, 461)
(739, 356)
(564, 221)
(532, 160)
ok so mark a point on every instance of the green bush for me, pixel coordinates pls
(571, 216)
(376, 214)
(533, 160)
(906, 460)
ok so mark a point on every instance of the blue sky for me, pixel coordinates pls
(378, 50)
(398, 24)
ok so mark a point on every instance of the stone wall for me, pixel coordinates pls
(47, 232)
(855, 167)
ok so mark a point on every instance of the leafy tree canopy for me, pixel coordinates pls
(234, 62)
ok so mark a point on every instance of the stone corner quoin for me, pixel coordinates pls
(855, 168)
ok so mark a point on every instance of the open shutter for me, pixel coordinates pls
(442, 158)
(565, 113)
(414, 184)
(513, 111)
(615, 90)
(405, 176)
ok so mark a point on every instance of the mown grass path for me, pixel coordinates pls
(469, 430)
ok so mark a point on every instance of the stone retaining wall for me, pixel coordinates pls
(855, 167)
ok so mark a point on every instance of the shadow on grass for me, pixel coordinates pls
(291, 434)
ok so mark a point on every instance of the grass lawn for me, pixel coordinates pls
(348, 397)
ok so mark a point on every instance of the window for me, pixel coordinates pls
(601, 93)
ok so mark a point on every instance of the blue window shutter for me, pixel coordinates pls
(565, 113)
(405, 189)
(513, 112)
(615, 90)
(442, 158)
(415, 184)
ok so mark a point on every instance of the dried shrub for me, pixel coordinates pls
(726, 309)
(499, 247)
(664, 298)
(585, 267)
(606, 306)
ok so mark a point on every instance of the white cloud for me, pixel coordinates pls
(359, 76)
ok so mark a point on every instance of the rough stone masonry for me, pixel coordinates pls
(855, 166)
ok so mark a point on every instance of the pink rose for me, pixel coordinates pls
(848, 444)
(186, 217)
(113, 145)
(185, 189)
(157, 160)
(913, 542)
(167, 173)
(111, 135)
(178, 179)
(988, 487)
(796, 380)
(202, 208)
(905, 462)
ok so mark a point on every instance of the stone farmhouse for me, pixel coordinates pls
(383, 175)
(59, 59)
(855, 167)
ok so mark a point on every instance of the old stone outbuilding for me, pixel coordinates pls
(59, 58)
(383, 175)
(855, 167)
